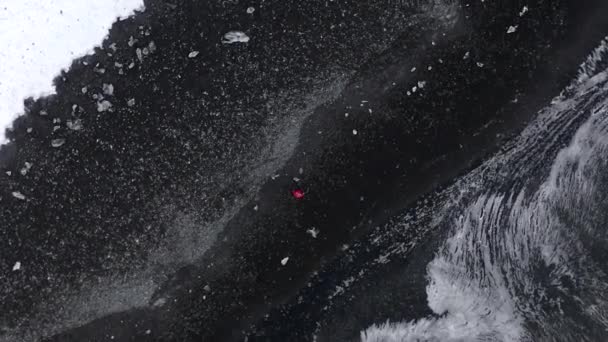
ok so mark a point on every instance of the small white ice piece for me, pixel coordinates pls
(313, 232)
(193, 54)
(235, 37)
(26, 168)
(284, 261)
(355, 132)
(108, 89)
(57, 142)
(18, 195)
(17, 266)
(250, 10)
(74, 125)
(512, 29)
(523, 11)
(103, 106)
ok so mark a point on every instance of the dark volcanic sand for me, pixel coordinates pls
(132, 200)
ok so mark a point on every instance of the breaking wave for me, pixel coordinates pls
(526, 258)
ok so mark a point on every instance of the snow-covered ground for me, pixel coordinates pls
(39, 38)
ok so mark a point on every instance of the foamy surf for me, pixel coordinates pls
(519, 263)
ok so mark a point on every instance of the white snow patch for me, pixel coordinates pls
(193, 54)
(284, 261)
(39, 38)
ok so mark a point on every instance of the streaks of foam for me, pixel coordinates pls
(518, 265)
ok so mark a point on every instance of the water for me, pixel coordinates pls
(525, 253)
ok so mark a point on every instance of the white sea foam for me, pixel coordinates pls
(518, 256)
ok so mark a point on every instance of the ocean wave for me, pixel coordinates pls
(525, 257)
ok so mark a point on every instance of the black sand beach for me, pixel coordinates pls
(174, 202)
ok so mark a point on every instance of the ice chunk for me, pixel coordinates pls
(103, 105)
(355, 132)
(523, 11)
(26, 168)
(74, 125)
(235, 37)
(284, 261)
(250, 10)
(18, 195)
(108, 89)
(131, 41)
(512, 29)
(193, 54)
(313, 232)
(131, 102)
(57, 142)
(17, 266)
